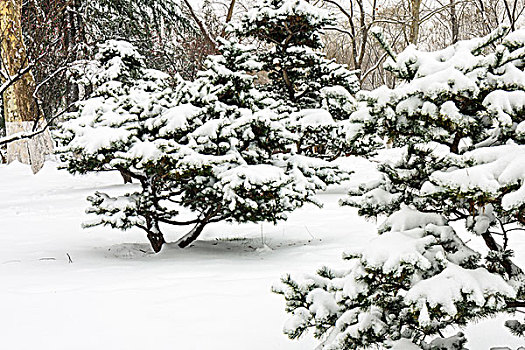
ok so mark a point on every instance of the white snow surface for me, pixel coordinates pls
(116, 295)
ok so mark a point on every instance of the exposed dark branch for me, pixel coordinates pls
(27, 135)
(179, 223)
(516, 303)
(201, 26)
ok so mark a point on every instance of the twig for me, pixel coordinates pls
(11, 261)
(310, 233)
(69, 258)
(374, 67)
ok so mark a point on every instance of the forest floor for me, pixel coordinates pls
(64, 287)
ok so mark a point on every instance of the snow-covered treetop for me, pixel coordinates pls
(303, 21)
(466, 94)
(119, 60)
(290, 31)
(227, 79)
(124, 93)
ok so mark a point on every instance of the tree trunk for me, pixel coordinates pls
(71, 39)
(156, 239)
(230, 11)
(454, 24)
(20, 108)
(414, 25)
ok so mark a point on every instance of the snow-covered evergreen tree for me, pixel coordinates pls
(459, 116)
(124, 95)
(291, 31)
(207, 147)
(300, 77)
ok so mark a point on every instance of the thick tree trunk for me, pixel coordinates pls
(156, 239)
(196, 231)
(20, 107)
(155, 236)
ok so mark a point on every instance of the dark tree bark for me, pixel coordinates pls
(191, 236)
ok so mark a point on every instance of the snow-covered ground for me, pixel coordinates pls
(115, 295)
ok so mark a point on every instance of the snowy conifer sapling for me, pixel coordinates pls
(202, 154)
(301, 80)
(460, 118)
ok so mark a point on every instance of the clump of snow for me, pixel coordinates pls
(313, 117)
(173, 119)
(405, 344)
(494, 168)
(408, 219)
(392, 249)
(454, 284)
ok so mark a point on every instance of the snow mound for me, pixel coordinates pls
(129, 250)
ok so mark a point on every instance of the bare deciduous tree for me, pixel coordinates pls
(18, 86)
(429, 24)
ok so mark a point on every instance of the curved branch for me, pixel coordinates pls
(27, 135)
(201, 26)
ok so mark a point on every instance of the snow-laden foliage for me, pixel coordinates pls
(211, 147)
(459, 115)
(416, 278)
(292, 30)
(111, 119)
(297, 76)
(465, 95)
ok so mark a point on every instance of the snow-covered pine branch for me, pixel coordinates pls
(409, 283)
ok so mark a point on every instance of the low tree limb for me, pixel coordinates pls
(27, 135)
